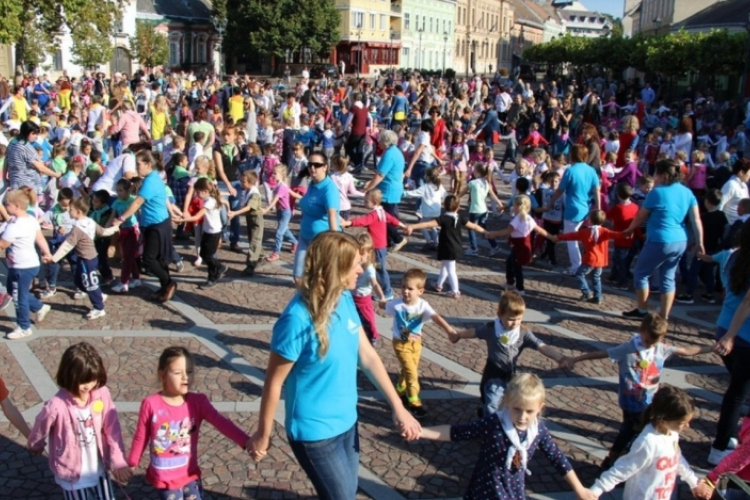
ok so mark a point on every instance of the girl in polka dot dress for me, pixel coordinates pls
(508, 440)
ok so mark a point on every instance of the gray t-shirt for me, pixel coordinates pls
(505, 355)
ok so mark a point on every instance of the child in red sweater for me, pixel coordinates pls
(534, 138)
(621, 215)
(737, 462)
(595, 240)
(376, 223)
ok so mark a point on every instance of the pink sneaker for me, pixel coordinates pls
(274, 256)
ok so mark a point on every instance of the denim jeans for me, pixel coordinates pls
(52, 270)
(417, 175)
(299, 258)
(282, 231)
(234, 224)
(494, 390)
(621, 265)
(87, 278)
(331, 464)
(19, 283)
(662, 256)
(381, 255)
(510, 154)
(704, 271)
(581, 274)
(737, 391)
(480, 220)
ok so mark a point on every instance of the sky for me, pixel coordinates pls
(612, 7)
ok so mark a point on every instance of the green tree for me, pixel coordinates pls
(91, 48)
(149, 47)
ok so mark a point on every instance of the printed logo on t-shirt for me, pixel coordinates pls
(171, 446)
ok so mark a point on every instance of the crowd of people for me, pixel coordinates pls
(95, 167)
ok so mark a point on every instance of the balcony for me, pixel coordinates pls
(396, 9)
(395, 35)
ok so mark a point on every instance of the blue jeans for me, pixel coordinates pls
(494, 390)
(283, 217)
(417, 175)
(481, 220)
(52, 270)
(19, 283)
(581, 274)
(662, 256)
(381, 255)
(234, 224)
(331, 464)
(621, 265)
(704, 271)
(87, 278)
(299, 258)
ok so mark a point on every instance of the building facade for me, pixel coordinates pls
(580, 21)
(427, 34)
(370, 35)
(528, 30)
(479, 35)
(657, 16)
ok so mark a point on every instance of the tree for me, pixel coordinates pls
(91, 48)
(149, 47)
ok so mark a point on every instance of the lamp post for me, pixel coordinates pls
(419, 51)
(393, 35)
(359, 48)
(657, 23)
(445, 49)
(486, 53)
(220, 24)
(743, 80)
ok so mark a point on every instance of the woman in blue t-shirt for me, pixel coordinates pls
(664, 209)
(317, 345)
(320, 209)
(733, 333)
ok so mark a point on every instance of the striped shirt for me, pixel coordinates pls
(19, 161)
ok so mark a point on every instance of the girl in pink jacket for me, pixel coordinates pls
(81, 424)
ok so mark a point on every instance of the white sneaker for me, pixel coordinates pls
(399, 246)
(733, 444)
(495, 251)
(197, 262)
(42, 313)
(717, 456)
(96, 314)
(135, 283)
(104, 297)
(47, 293)
(79, 295)
(18, 333)
(120, 288)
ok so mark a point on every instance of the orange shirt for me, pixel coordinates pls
(621, 216)
(595, 253)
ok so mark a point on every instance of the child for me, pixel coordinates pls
(100, 213)
(458, 172)
(519, 231)
(522, 169)
(129, 236)
(651, 467)
(534, 138)
(622, 215)
(478, 189)
(595, 240)
(345, 182)
(251, 207)
(366, 282)
(376, 223)
(211, 227)
(268, 164)
(72, 177)
(552, 217)
(81, 239)
(506, 338)
(432, 194)
(81, 423)
(196, 148)
(696, 179)
(640, 364)
(410, 313)
(204, 169)
(59, 218)
(169, 424)
(737, 462)
(511, 145)
(450, 246)
(298, 172)
(281, 196)
(509, 440)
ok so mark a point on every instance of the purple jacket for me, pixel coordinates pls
(628, 174)
(58, 420)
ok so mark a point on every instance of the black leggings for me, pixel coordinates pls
(152, 258)
(738, 390)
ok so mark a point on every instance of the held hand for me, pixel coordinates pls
(553, 238)
(36, 453)
(454, 337)
(566, 363)
(586, 494)
(628, 233)
(258, 446)
(346, 223)
(724, 346)
(232, 191)
(122, 475)
(409, 230)
(703, 491)
(406, 423)
(699, 249)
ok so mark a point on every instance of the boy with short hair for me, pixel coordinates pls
(622, 215)
(410, 313)
(252, 206)
(640, 364)
(506, 338)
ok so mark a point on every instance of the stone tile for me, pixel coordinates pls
(22, 393)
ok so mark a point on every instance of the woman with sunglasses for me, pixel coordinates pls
(320, 209)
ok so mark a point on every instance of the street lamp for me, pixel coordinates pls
(359, 48)
(445, 49)
(657, 23)
(743, 82)
(419, 52)
(486, 53)
(220, 24)
(393, 35)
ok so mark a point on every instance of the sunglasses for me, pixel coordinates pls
(316, 164)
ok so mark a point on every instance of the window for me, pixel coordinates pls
(430, 24)
(118, 26)
(201, 51)
(358, 19)
(174, 54)
(186, 55)
(458, 47)
(406, 21)
(372, 21)
(57, 61)
(481, 20)
(424, 18)
(473, 17)
(449, 27)
(417, 25)
(383, 22)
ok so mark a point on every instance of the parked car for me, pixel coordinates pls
(329, 70)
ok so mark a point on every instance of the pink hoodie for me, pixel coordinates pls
(58, 422)
(737, 462)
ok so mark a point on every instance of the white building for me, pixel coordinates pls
(580, 21)
(427, 34)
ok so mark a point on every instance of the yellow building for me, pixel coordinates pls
(482, 27)
(370, 35)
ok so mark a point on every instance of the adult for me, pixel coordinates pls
(593, 146)
(290, 109)
(439, 129)
(159, 121)
(201, 124)
(490, 126)
(320, 209)
(648, 96)
(423, 155)
(22, 163)
(155, 224)
(733, 334)
(121, 167)
(389, 179)
(355, 144)
(316, 347)
(129, 125)
(580, 185)
(96, 115)
(683, 141)
(664, 211)
(735, 189)
(628, 138)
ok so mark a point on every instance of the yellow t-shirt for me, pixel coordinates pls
(158, 124)
(236, 107)
(19, 106)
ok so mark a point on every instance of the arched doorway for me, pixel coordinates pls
(120, 61)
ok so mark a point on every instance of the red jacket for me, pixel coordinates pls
(376, 223)
(738, 461)
(595, 253)
(621, 216)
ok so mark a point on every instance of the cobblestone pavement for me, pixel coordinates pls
(229, 328)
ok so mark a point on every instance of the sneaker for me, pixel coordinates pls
(208, 284)
(18, 333)
(717, 456)
(249, 270)
(471, 251)
(179, 267)
(120, 288)
(585, 297)
(388, 297)
(708, 297)
(273, 257)
(417, 411)
(684, 298)
(521, 292)
(135, 283)
(453, 295)
(96, 314)
(294, 248)
(733, 443)
(235, 248)
(435, 286)
(496, 250)
(623, 287)
(595, 300)
(223, 270)
(635, 314)
(198, 262)
(510, 286)
(79, 295)
(375, 342)
(42, 313)
(169, 293)
(5, 301)
(104, 297)
(399, 246)
(47, 293)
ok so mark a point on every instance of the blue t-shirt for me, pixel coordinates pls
(639, 370)
(320, 394)
(320, 197)
(578, 182)
(669, 205)
(120, 207)
(391, 167)
(732, 300)
(154, 209)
